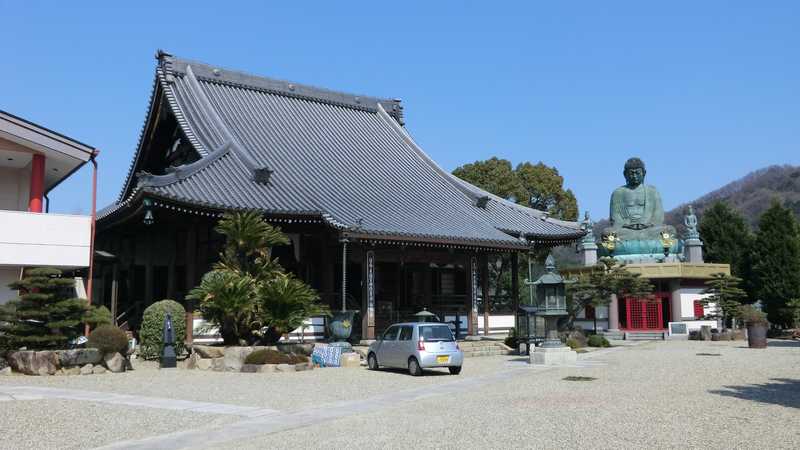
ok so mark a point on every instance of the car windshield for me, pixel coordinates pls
(435, 333)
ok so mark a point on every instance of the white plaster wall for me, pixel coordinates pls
(687, 298)
(30, 239)
(497, 323)
(8, 275)
(14, 188)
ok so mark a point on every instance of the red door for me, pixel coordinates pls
(645, 314)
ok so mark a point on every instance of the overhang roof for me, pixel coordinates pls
(344, 158)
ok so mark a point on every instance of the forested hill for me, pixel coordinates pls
(751, 194)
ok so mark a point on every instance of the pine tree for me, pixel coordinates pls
(45, 315)
(727, 239)
(723, 291)
(776, 268)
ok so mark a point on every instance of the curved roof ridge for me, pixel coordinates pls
(214, 74)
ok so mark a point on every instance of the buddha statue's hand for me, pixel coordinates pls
(637, 226)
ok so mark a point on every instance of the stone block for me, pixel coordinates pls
(351, 360)
(207, 351)
(98, 370)
(553, 356)
(299, 367)
(285, 368)
(258, 368)
(234, 358)
(79, 357)
(204, 364)
(218, 364)
(34, 363)
(87, 369)
(71, 370)
(115, 362)
(5, 371)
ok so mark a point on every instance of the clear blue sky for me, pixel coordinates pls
(703, 91)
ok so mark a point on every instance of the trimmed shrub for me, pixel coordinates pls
(108, 339)
(596, 340)
(574, 343)
(269, 356)
(152, 331)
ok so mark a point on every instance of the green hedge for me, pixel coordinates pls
(152, 330)
(596, 340)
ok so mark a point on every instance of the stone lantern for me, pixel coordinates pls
(548, 296)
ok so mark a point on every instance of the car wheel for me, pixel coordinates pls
(414, 368)
(372, 362)
(455, 370)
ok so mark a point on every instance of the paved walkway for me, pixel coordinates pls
(8, 393)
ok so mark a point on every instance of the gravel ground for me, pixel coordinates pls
(282, 391)
(657, 395)
(673, 394)
(64, 424)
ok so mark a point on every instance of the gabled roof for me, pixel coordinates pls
(343, 158)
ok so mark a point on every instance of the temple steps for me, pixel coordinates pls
(644, 335)
(473, 349)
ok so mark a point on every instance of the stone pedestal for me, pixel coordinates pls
(693, 251)
(553, 356)
(587, 252)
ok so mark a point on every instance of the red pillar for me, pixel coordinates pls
(37, 184)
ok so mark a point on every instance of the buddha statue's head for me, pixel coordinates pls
(634, 172)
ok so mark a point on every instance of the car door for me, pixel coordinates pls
(405, 345)
(388, 348)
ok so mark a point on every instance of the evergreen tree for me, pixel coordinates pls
(723, 291)
(728, 239)
(45, 315)
(776, 268)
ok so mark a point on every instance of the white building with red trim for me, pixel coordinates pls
(33, 161)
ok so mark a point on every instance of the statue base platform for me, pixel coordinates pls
(553, 356)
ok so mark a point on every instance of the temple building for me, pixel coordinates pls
(33, 161)
(375, 225)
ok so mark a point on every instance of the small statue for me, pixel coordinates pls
(690, 220)
(168, 357)
(588, 226)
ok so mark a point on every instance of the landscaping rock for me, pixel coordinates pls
(218, 364)
(207, 351)
(34, 363)
(285, 368)
(87, 369)
(191, 362)
(97, 370)
(258, 368)
(234, 358)
(71, 370)
(79, 357)
(351, 360)
(115, 362)
(299, 367)
(204, 364)
(5, 371)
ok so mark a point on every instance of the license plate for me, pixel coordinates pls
(442, 359)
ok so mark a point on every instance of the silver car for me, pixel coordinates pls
(416, 346)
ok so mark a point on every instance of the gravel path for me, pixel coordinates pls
(658, 395)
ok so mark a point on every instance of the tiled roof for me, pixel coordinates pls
(344, 158)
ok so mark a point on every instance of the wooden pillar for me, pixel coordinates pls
(484, 262)
(148, 274)
(114, 292)
(191, 269)
(515, 286)
(472, 290)
(368, 293)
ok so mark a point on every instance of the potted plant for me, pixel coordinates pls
(756, 322)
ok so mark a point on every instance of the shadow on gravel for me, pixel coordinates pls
(425, 373)
(781, 391)
(775, 343)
